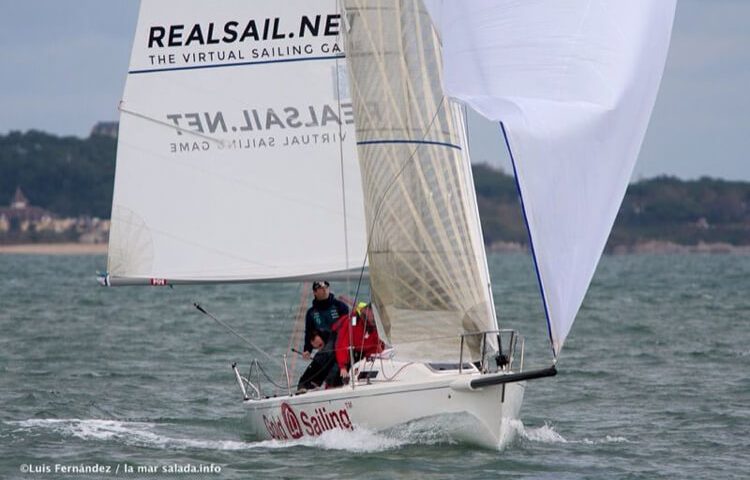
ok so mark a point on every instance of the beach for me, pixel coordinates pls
(55, 249)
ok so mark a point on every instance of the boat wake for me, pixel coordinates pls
(425, 432)
(547, 434)
(154, 435)
(141, 434)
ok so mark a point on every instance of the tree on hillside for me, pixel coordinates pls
(66, 175)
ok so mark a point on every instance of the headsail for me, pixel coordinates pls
(428, 271)
(574, 83)
(236, 158)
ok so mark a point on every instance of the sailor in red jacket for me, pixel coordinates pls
(359, 331)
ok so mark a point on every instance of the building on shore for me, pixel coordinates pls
(23, 222)
(106, 129)
(20, 215)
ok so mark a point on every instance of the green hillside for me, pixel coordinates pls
(73, 177)
(69, 176)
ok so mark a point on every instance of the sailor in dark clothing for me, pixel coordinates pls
(325, 311)
(322, 363)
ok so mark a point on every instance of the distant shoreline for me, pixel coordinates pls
(55, 249)
(650, 247)
(646, 247)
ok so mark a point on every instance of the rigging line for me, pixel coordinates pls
(405, 68)
(268, 377)
(473, 192)
(425, 49)
(407, 162)
(429, 50)
(341, 154)
(203, 311)
(416, 114)
(169, 125)
(466, 128)
(293, 335)
(299, 322)
(531, 240)
(403, 367)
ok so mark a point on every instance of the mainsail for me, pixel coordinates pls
(236, 158)
(573, 83)
(428, 272)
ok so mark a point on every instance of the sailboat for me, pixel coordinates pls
(307, 139)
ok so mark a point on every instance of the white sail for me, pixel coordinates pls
(236, 158)
(428, 271)
(573, 82)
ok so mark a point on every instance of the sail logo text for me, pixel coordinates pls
(231, 32)
(288, 425)
(263, 119)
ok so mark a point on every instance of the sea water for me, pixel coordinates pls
(654, 380)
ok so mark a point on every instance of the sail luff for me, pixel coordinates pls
(472, 209)
(534, 258)
(342, 169)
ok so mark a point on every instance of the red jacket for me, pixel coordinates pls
(365, 340)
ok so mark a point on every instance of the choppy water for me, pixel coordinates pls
(654, 379)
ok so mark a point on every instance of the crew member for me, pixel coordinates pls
(325, 311)
(356, 338)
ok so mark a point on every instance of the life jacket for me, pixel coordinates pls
(363, 334)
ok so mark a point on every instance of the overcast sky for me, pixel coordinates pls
(64, 64)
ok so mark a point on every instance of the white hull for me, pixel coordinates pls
(416, 392)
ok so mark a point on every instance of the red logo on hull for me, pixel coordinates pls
(291, 421)
(314, 423)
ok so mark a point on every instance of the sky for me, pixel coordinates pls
(64, 64)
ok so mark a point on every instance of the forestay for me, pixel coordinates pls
(236, 157)
(428, 272)
(574, 83)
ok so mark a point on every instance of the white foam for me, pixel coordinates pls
(130, 433)
(93, 429)
(434, 430)
(429, 431)
(359, 440)
(547, 434)
(543, 434)
(509, 430)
